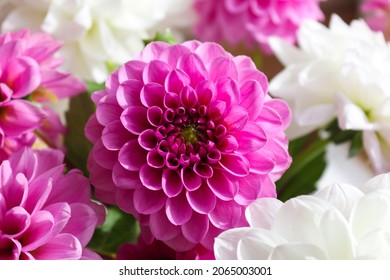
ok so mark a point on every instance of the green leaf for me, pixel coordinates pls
(119, 228)
(308, 164)
(356, 144)
(78, 147)
(93, 86)
(163, 37)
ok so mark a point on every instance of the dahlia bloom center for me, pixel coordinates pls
(187, 137)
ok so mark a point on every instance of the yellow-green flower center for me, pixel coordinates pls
(189, 135)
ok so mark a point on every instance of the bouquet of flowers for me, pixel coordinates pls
(156, 130)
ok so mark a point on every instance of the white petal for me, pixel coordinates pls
(341, 196)
(339, 242)
(225, 245)
(372, 147)
(261, 213)
(371, 213)
(258, 245)
(298, 219)
(285, 52)
(297, 252)
(378, 182)
(375, 246)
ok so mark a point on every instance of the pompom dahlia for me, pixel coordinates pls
(376, 14)
(43, 213)
(189, 137)
(338, 222)
(253, 21)
(28, 69)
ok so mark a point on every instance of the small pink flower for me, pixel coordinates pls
(376, 14)
(253, 21)
(28, 67)
(43, 213)
(185, 137)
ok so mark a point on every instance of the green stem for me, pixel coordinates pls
(300, 161)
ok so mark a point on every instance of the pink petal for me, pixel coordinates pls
(252, 97)
(153, 51)
(42, 223)
(172, 54)
(124, 178)
(249, 189)
(131, 70)
(190, 179)
(206, 92)
(61, 84)
(16, 192)
(235, 164)
(38, 192)
(222, 186)
(10, 249)
(283, 110)
(251, 138)
(147, 201)
(188, 97)
(171, 182)
(61, 247)
(148, 139)
(124, 198)
(128, 93)
(177, 209)
(227, 214)
(151, 177)
(156, 72)
(223, 67)
(90, 255)
(22, 75)
(236, 118)
(154, 159)
(73, 187)
(82, 222)
(107, 111)
(161, 227)
(171, 100)
(152, 94)
(104, 157)
(209, 51)
(261, 161)
(114, 136)
(93, 129)
(61, 212)
(132, 156)
(20, 116)
(15, 222)
(134, 119)
(228, 91)
(202, 200)
(196, 228)
(192, 65)
(155, 115)
(203, 170)
(228, 144)
(179, 243)
(176, 80)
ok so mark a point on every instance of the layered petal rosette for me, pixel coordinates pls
(185, 137)
(45, 214)
(28, 72)
(338, 222)
(253, 21)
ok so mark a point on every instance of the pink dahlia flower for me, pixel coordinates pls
(185, 137)
(43, 213)
(376, 14)
(28, 68)
(253, 21)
